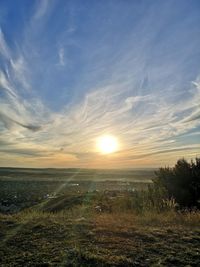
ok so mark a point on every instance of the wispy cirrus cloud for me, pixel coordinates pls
(4, 50)
(40, 9)
(127, 76)
(15, 110)
(61, 55)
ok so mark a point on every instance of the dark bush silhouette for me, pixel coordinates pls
(181, 182)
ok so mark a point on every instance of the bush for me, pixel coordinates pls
(182, 182)
(154, 199)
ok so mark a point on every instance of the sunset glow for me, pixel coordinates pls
(107, 144)
(123, 72)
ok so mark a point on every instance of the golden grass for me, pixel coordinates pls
(165, 219)
(85, 238)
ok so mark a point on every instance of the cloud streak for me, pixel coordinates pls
(61, 55)
(137, 82)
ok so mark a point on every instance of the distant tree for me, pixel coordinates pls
(182, 182)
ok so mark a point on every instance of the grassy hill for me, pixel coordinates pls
(88, 222)
(85, 236)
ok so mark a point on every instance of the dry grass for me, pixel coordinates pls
(149, 219)
(80, 238)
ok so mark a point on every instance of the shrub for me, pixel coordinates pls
(182, 182)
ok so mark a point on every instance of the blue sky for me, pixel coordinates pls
(71, 71)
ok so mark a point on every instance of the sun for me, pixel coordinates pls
(107, 144)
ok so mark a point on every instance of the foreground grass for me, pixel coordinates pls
(84, 238)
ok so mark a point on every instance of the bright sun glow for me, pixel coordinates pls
(107, 144)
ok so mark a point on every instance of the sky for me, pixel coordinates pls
(73, 71)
